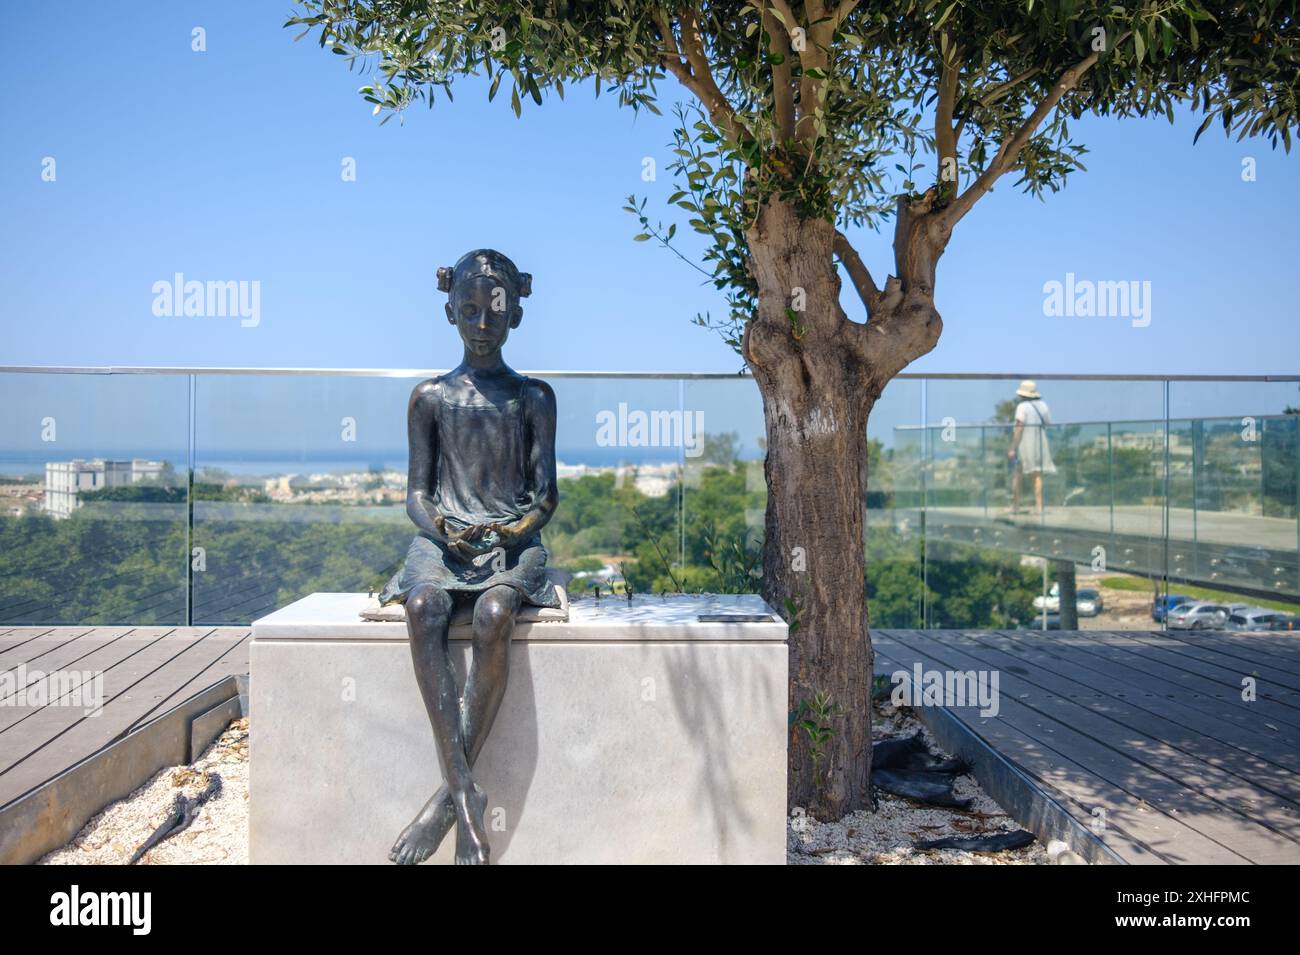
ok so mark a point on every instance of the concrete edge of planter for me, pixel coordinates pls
(47, 817)
(1025, 801)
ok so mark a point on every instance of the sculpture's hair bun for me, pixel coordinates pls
(489, 263)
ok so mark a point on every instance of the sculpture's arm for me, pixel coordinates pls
(422, 444)
(539, 419)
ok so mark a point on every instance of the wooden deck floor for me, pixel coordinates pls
(1143, 737)
(145, 671)
(1146, 732)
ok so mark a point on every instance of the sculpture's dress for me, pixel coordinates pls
(481, 475)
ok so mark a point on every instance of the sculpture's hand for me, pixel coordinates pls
(461, 548)
(508, 535)
(459, 543)
(474, 541)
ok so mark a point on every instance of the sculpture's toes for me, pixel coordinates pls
(401, 853)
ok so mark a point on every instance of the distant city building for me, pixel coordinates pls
(65, 481)
(21, 498)
(652, 480)
(653, 485)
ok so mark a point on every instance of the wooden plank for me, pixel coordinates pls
(234, 662)
(123, 663)
(1226, 708)
(56, 650)
(1260, 667)
(1275, 648)
(103, 659)
(1138, 833)
(1210, 666)
(1142, 766)
(29, 650)
(1201, 714)
(1133, 655)
(1260, 790)
(20, 635)
(75, 742)
(62, 653)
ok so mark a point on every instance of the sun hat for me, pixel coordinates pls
(1028, 389)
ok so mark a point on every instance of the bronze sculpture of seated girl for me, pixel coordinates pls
(481, 487)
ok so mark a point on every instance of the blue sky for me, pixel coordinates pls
(225, 165)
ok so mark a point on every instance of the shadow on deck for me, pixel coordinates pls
(1171, 748)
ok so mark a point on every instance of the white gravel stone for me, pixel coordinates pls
(217, 836)
(886, 836)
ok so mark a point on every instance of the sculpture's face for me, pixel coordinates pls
(483, 311)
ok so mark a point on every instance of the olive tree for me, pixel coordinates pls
(804, 119)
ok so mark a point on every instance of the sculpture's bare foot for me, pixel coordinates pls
(422, 837)
(471, 837)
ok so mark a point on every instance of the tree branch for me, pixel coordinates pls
(694, 74)
(945, 134)
(782, 81)
(859, 274)
(996, 93)
(693, 44)
(1010, 149)
(813, 57)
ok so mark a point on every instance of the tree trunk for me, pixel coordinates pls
(815, 556)
(816, 420)
(820, 375)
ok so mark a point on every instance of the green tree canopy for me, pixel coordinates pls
(831, 104)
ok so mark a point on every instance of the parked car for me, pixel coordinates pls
(1197, 616)
(1251, 618)
(1162, 605)
(1086, 600)
(1089, 602)
(1052, 602)
(1285, 621)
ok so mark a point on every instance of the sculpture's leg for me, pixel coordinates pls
(494, 620)
(485, 687)
(428, 613)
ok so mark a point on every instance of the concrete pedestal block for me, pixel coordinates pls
(630, 733)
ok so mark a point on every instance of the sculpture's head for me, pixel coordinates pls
(484, 291)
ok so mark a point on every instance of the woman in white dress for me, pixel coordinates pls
(1030, 452)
